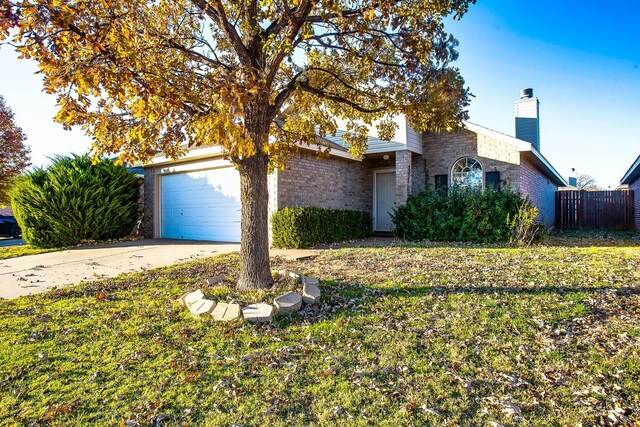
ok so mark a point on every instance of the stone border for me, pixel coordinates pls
(287, 303)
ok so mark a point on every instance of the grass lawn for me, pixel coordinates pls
(542, 336)
(16, 251)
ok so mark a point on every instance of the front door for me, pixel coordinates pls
(385, 190)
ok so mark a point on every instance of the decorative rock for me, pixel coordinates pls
(191, 297)
(258, 312)
(225, 312)
(294, 276)
(285, 274)
(215, 280)
(288, 303)
(310, 293)
(310, 281)
(202, 307)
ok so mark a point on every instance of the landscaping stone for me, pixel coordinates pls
(202, 307)
(225, 312)
(191, 297)
(310, 293)
(285, 274)
(288, 303)
(294, 276)
(310, 281)
(215, 280)
(258, 312)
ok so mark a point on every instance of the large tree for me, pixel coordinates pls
(587, 182)
(14, 155)
(255, 76)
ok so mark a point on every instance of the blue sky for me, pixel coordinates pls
(581, 58)
(583, 61)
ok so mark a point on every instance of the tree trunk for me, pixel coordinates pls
(254, 247)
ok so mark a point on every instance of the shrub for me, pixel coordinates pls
(491, 216)
(524, 227)
(310, 226)
(74, 200)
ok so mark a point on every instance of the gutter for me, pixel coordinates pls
(632, 174)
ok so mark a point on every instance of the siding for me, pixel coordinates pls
(540, 190)
(635, 186)
(374, 145)
(405, 138)
(528, 121)
(333, 183)
(440, 152)
(414, 140)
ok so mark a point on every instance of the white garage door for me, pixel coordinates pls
(203, 205)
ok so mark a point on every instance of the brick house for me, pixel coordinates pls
(198, 197)
(631, 180)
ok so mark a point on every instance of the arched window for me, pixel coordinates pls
(467, 173)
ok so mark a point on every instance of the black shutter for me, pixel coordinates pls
(492, 180)
(442, 184)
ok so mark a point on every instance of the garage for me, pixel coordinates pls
(201, 205)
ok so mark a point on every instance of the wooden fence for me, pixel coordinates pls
(595, 209)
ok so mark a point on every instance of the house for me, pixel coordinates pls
(631, 180)
(198, 196)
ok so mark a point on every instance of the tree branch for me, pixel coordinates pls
(339, 99)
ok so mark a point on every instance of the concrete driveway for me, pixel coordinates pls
(37, 273)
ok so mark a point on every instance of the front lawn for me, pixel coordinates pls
(404, 336)
(22, 250)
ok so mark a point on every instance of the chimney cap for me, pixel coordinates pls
(526, 93)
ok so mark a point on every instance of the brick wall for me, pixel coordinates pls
(418, 174)
(441, 151)
(333, 183)
(540, 190)
(403, 176)
(148, 195)
(635, 186)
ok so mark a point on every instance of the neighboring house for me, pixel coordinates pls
(632, 181)
(6, 211)
(198, 196)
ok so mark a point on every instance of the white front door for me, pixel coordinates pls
(202, 205)
(385, 191)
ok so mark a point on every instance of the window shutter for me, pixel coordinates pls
(492, 180)
(442, 184)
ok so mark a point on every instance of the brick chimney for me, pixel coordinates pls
(528, 118)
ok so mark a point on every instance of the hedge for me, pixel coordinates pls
(75, 200)
(492, 216)
(304, 227)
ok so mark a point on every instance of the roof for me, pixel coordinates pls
(526, 148)
(209, 151)
(374, 144)
(632, 174)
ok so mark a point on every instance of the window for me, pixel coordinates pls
(492, 180)
(442, 184)
(467, 173)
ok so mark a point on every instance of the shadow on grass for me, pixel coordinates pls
(558, 238)
(342, 299)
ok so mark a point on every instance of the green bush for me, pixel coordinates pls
(524, 227)
(74, 200)
(310, 226)
(491, 216)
